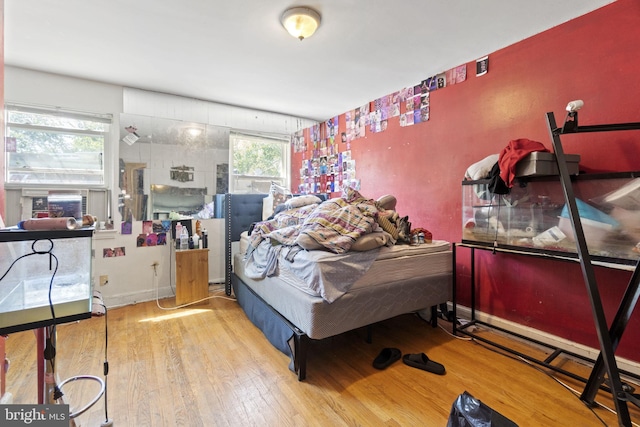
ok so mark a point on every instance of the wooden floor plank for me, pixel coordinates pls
(209, 365)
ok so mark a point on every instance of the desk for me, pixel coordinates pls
(192, 275)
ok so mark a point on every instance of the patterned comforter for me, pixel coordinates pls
(334, 225)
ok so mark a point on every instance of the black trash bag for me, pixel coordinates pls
(467, 411)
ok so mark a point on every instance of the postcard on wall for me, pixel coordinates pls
(331, 183)
(147, 227)
(363, 122)
(417, 101)
(461, 73)
(395, 105)
(424, 113)
(126, 227)
(113, 252)
(364, 112)
(451, 76)
(358, 123)
(323, 131)
(429, 84)
(349, 117)
(425, 100)
(332, 129)
(409, 102)
(482, 66)
(409, 118)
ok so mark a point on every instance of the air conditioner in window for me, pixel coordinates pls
(35, 201)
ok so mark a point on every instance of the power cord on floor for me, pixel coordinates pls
(445, 317)
(574, 392)
(155, 279)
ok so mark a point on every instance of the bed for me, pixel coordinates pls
(400, 279)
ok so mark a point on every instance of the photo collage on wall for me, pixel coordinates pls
(154, 233)
(327, 165)
(113, 252)
(326, 162)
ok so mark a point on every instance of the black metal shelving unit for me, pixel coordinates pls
(608, 336)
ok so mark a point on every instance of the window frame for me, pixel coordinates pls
(284, 180)
(107, 119)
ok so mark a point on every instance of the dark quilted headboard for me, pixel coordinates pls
(240, 211)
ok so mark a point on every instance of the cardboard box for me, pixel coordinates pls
(540, 163)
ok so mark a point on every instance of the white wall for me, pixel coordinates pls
(132, 278)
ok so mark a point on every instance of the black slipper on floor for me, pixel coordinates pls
(421, 361)
(386, 357)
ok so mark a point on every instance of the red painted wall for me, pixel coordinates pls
(595, 58)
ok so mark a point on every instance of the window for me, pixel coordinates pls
(256, 161)
(55, 148)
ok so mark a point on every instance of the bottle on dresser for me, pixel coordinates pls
(178, 234)
(205, 239)
(184, 238)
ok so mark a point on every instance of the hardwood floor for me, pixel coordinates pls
(208, 365)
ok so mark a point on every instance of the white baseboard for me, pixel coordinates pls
(548, 339)
(121, 300)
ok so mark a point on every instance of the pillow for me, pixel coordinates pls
(370, 241)
(387, 202)
(481, 169)
(267, 207)
(280, 194)
(299, 201)
(277, 196)
(307, 242)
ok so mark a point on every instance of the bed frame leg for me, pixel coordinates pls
(434, 316)
(300, 358)
(369, 338)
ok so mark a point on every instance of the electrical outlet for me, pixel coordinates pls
(104, 279)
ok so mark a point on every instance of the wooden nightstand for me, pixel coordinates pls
(192, 275)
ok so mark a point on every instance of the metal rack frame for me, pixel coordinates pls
(608, 338)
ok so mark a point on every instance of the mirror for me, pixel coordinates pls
(186, 201)
(170, 166)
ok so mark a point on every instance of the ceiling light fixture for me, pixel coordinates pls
(300, 22)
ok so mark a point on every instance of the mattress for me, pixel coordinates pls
(394, 263)
(403, 279)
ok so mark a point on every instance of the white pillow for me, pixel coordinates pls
(300, 201)
(267, 207)
(481, 169)
(277, 195)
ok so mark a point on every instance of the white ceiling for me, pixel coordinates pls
(237, 52)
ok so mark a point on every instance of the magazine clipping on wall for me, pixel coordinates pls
(327, 166)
